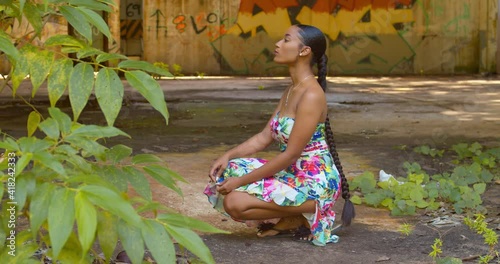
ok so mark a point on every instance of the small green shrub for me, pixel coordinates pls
(177, 70)
(489, 235)
(458, 189)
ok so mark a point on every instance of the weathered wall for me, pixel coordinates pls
(236, 37)
(365, 36)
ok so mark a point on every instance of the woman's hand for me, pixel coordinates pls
(218, 167)
(228, 185)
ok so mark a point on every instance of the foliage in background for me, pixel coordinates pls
(490, 237)
(406, 229)
(479, 226)
(177, 70)
(458, 189)
(69, 186)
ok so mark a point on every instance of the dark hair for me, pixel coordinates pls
(315, 39)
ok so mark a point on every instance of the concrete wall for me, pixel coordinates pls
(365, 36)
(236, 37)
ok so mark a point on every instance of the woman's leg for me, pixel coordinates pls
(243, 206)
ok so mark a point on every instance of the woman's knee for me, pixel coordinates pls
(232, 205)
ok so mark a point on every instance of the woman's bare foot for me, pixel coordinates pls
(284, 225)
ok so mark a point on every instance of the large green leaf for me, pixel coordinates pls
(58, 79)
(50, 127)
(91, 179)
(115, 176)
(191, 241)
(163, 178)
(107, 233)
(110, 56)
(150, 89)
(93, 131)
(32, 144)
(25, 186)
(145, 158)
(111, 201)
(72, 252)
(64, 40)
(117, 153)
(9, 144)
(33, 121)
(80, 87)
(86, 220)
(21, 69)
(90, 147)
(108, 2)
(96, 20)
(158, 242)
(39, 206)
(166, 171)
(61, 216)
(23, 162)
(188, 222)
(139, 182)
(45, 159)
(109, 94)
(144, 66)
(63, 120)
(40, 67)
(132, 242)
(8, 48)
(34, 16)
(91, 4)
(78, 20)
(88, 52)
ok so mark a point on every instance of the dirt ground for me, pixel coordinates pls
(372, 119)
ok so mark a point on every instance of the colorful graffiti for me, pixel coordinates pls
(359, 32)
(212, 24)
(365, 36)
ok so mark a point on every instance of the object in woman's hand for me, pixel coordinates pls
(219, 180)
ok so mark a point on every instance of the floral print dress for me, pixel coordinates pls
(312, 177)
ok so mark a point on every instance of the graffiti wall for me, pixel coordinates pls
(365, 36)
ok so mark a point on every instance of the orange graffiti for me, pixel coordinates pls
(267, 6)
(216, 32)
(330, 5)
(180, 25)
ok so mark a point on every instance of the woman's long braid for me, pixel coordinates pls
(348, 212)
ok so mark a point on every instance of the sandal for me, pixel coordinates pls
(281, 232)
(264, 227)
(303, 234)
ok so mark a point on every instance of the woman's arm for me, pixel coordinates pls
(308, 114)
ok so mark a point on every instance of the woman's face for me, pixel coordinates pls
(288, 48)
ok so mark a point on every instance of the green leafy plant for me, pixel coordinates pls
(489, 235)
(200, 75)
(436, 248)
(426, 150)
(459, 189)
(160, 65)
(177, 70)
(406, 229)
(65, 191)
